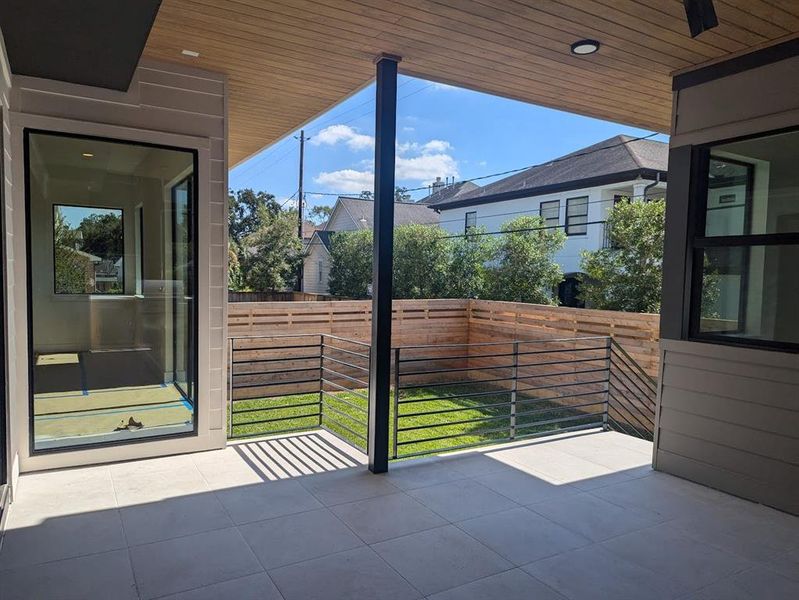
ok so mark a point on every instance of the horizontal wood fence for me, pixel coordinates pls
(456, 321)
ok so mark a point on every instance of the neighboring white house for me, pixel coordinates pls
(352, 214)
(574, 192)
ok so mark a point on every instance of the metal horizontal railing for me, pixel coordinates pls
(287, 383)
(444, 397)
(521, 389)
(454, 396)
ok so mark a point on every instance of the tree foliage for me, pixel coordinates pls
(469, 269)
(102, 235)
(422, 257)
(320, 213)
(72, 269)
(628, 274)
(350, 263)
(525, 270)
(264, 250)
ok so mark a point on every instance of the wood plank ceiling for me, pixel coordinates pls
(290, 60)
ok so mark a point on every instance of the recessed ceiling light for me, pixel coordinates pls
(191, 53)
(87, 155)
(583, 47)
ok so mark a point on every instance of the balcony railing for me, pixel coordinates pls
(286, 383)
(444, 397)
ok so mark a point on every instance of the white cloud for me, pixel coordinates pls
(346, 180)
(408, 129)
(482, 163)
(335, 134)
(445, 86)
(427, 167)
(418, 164)
(436, 147)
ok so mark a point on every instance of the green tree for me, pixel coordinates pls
(366, 195)
(422, 256)
(102, 235)
(72, 269)
(525, 270)
(320, 213)
(627, 275)
(264, 251)
(469, 265)
(350, 263)
(246, 211)
(401, 194)
(272, 254)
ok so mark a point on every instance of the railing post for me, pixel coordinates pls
(230, 386)
(396, 401)
(607, 384)
(321, 375)
(514, 389)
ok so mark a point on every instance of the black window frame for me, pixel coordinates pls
(466, 227)
(124, 290)
(569, 225)
(195, 359)
(698, 242)
(547, 203)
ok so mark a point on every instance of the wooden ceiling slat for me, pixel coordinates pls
(670, 14)
(749, 16)
(289, 60)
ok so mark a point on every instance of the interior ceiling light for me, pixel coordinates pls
(701, 16)
(192, 53)
(87, 155)
(584, 47)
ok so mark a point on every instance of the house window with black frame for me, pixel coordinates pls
(470, 222)
(112, 290)
(88, 250)
(550, 212)
(745, 249)
(577, 216)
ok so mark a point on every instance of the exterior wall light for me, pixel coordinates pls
(583, 47)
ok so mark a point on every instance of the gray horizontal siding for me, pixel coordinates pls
(729, 418)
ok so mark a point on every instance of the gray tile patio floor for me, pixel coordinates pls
(299, 518)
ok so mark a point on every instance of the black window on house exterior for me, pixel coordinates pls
(577, 216)
(745, 246)
(550, 212)
(470, 222)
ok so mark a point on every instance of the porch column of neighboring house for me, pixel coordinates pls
(380, 364)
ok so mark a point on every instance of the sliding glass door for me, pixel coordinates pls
(112, 283)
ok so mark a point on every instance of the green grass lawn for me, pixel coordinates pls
(348, 409)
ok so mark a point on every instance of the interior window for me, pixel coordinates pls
(577, 216)
(112, 290)
(746, 254)
(88, 249)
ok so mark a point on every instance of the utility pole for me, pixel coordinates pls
(299, 205)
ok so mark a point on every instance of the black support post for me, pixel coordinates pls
(380, 364)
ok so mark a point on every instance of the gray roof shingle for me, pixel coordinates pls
(405, 213)
(455, 191)
(619, 155)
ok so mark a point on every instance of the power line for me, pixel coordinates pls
(512, 171)
(321, 125)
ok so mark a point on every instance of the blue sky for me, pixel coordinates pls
(441, 131)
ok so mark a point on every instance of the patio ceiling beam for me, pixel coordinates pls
(380, 363)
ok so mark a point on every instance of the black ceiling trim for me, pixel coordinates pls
(650, 174)
(739, 64)
(87, 42)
